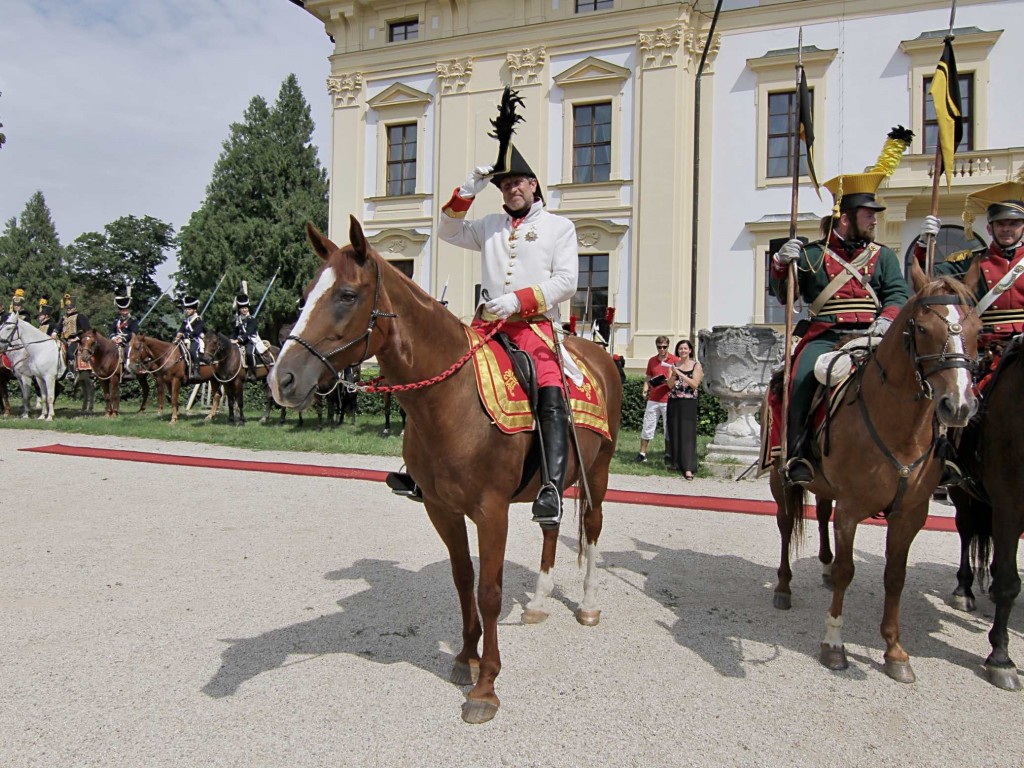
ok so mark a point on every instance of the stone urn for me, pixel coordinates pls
(738, 362)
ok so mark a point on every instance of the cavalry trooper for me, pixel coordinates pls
(45, 317)
(247, 334)
(124, 326)
(193, 332)
(75, 324)
(530, 263)
(18, 304)
(1000, 290)
(849, 282)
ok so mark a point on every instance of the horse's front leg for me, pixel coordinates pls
(175, 391)
(899, 536)
(833, 651)
(46, 393)
(26, 393)
(536, 610)
(1006, 533)
(823, 510)
(788, 505)
(492, 534)
(144, 384)
(451, 528)
(215, 405)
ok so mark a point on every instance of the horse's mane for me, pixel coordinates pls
(939, 286)
(424, 299)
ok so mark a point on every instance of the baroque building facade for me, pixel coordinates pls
(674, 215)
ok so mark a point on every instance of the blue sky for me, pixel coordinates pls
(117, 107)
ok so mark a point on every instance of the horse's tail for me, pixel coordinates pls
(979, 542)
(791, 508)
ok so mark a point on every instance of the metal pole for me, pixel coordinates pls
(207, 304)
(153, 305)
(266, 293)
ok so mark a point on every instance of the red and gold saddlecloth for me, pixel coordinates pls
(508, 404)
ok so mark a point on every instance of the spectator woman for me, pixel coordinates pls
(683, 380)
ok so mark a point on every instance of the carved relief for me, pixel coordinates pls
(396, 245)
(658, 48)
(525, 66)
(345, 88)
(694, 43)
(588, 238)
(454, 74)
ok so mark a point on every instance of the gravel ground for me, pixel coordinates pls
(174, 616)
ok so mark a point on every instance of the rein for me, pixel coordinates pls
(88, 361)
(374, 386)
(233, 376)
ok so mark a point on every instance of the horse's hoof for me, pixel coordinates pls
(588, 618)
(962, 603)
(782, 600)
(1003, 677)
(475, 711)
(833, 657)
(900, 671)
(533, 616)
(465, 674)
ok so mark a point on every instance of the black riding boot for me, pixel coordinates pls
(798, 469)
(554, 433)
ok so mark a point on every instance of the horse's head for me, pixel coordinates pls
(137, 354)
(940, 332)
(8, 331)
(216, 346)
(338, 325)
(87, 345)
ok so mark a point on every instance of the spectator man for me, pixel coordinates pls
(656, 391)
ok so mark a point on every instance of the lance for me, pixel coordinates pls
(153, 305)
(929, 260)
(791, 276)
(267, 291)
(207, 304)
(444, 290)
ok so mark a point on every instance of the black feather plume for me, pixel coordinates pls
(505, 123)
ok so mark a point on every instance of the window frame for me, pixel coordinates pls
(967, 143)
(407, 128)
(590, 6)
(593, 145)
(792, 126)
(412, 23)
(583, 290)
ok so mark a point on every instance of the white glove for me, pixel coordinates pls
(503, 306)
(930, 226)
(477, 182)
(879, 326)
(789, 252)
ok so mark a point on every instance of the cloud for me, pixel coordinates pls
(117, 108)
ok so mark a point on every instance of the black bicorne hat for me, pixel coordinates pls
(190, 302)
(510, 162)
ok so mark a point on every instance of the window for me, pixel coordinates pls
(774, 310)
(403, 30)
(582, 6)
(782, 126)
(949, 240)
(401, 163)
(592, 143)
(405, 266)
(591, 299)
(931, 125)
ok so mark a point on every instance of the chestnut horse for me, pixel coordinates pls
(166, 362)
(990, 519)
(226, 357)
(357, 306)
(880, 454)
(105, 359)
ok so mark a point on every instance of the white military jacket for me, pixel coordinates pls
(541, 253)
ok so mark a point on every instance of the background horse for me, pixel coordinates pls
(226, 357)
(104, 357)
(34, 357)
(990, 519)
(358, 305)
(166, 362)
(880, 452)
(6, 375)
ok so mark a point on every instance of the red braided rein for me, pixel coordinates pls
(374, 387)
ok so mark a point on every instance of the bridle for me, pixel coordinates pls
(88, 352)
(946, 359)
(5, 344)
(325, 359)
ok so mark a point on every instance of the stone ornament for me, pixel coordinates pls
(453, 75)
(525, 65)
(658, 48)
(345, 88)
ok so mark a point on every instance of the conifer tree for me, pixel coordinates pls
(31, 256)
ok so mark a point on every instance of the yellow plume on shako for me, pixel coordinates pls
(895, 146)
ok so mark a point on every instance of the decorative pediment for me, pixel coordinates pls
(398, 95)
(395, 242)
(591, 70)
(599, 233)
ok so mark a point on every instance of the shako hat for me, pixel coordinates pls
(242, 299)
(68, 301)
(857, 190)
(510, 162)
(998, 202)
(44, 305)
(19, 296)
(190, 302)
(123, 298)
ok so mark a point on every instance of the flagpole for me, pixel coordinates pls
(791, 277)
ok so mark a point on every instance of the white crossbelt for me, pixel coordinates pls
(1002, 286)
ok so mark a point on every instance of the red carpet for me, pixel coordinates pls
(674, 500)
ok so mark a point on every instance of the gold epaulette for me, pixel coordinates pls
(960, 255)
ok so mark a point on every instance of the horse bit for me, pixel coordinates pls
(349, 386)
(945, 359)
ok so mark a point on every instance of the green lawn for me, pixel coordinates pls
(364, 438)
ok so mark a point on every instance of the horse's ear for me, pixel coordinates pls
(357, 240)
(320, 242)
(973, 277)
(918, 278)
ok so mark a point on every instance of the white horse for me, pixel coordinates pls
(34, 356)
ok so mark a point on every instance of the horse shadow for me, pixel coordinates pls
(422, 633)
(720, 618)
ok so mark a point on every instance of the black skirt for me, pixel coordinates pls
(682, 433)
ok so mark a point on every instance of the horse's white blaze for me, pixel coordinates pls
(833, 631)
(323, 286)
(545, 584)
(963, 376)
(590, 580)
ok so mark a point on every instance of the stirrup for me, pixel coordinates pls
(402, 484)
(547, 509)
(798, 471)
(951, 474)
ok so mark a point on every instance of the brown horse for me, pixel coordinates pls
(165, 361)
(880, 454)
(104, 357)
(6, 375)
(226, 357)
(358, 305)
